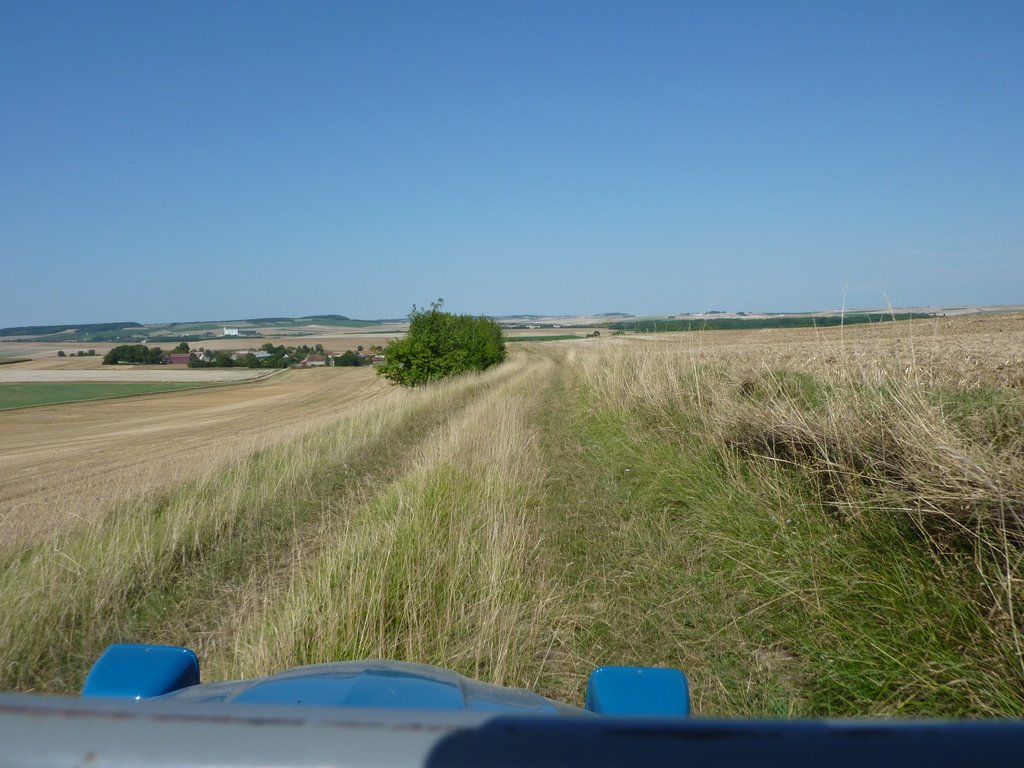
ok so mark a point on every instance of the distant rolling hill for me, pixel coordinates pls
(133, 331)
(47, 330)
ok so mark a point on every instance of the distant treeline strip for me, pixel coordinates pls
(42, 330)
(789, 321)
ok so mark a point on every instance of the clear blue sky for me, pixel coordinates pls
(212, 160)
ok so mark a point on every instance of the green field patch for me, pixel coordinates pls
(188, 338)
(333, 321)
(543, 338)
(189, 327)
(12, 360)
(29, 394)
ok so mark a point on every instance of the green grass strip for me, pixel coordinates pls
(32, 394)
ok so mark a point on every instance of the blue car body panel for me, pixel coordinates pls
(144, 706)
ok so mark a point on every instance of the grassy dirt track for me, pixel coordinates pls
(63, 464)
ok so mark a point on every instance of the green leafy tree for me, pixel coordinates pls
(182, 347)
(440, 344)
(137, 354)
(348, 357)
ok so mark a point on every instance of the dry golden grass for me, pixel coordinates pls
(879, 403)
(967, 351)
(917, 422)
(440, 567)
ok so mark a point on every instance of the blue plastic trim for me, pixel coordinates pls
(129, 671)
(638, 692)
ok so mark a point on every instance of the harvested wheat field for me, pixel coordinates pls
(60, 464)
(979, 350)
(48, 361)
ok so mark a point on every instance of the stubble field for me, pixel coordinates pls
(64, 464)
